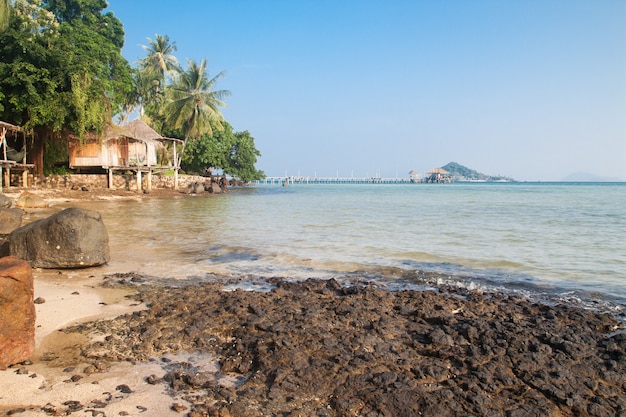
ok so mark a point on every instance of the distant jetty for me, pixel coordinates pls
(285, 181)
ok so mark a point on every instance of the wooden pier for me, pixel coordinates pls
(284, 181)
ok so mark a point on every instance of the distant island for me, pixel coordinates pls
(587, 177)
(461, 173)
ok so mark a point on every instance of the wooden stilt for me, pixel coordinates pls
(139, 187)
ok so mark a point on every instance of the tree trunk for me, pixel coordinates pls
(36, 157)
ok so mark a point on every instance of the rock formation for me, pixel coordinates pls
(72, 238)
(17, 311)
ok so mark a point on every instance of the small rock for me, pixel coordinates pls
(178, 407)
(22, 371)
(39, 300)
(124, 389)
(153, 379)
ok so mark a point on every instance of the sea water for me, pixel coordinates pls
(565, 241)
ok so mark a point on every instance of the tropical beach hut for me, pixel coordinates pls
(129, 148)
(116, 147)
(414, 176)
(438, 175)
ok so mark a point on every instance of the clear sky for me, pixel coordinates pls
(531, 89)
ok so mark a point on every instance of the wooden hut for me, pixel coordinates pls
(132, 147)
(438, 175)
(115, 148)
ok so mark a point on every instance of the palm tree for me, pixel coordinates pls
(150, 78)
(193, 104)
(160, 59)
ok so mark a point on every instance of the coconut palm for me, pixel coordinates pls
(194, 105)
(160, 59)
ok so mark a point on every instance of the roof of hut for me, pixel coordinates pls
(112, 131)
(9, 126)
(140, 130)
(437, 171)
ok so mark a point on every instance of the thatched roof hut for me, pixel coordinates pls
(439, 171)
(116, 147)
(438, 175)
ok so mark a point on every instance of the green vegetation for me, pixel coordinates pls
(61, 71)
(460, 172)
(62, 75)
(233, 152)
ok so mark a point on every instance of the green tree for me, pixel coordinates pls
(232, 152)
(61, 69)
(242, 157)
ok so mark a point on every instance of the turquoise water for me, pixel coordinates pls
(564, 240)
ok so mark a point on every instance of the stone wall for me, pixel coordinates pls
(120, 181)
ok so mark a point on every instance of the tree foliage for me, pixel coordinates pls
(62, 74)
(61, 68)
(194, 104)
(232, 152)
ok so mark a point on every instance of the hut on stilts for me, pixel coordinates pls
(438, 175)
(130, 148)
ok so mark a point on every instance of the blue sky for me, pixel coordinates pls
(534, 90)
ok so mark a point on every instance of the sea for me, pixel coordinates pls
(552, 242)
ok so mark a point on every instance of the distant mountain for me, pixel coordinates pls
(462, 173)
(586, 177)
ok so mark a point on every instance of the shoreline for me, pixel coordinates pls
(305, 348)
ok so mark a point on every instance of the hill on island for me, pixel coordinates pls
(462, 173)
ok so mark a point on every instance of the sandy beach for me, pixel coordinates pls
(119, 345)
(55, 376)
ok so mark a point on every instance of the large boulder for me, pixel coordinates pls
(17, 311)
(72, 238)
(10, 219)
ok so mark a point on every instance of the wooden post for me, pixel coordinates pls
(111, 185)
(0, 177)
(175, 168)
(139, 180)
(149, 180)
(25, 178)
(7, 176)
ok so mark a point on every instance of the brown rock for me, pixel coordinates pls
(17, 311)
(28, 200)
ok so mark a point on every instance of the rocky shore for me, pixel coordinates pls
(318, 348)
(127, 345)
